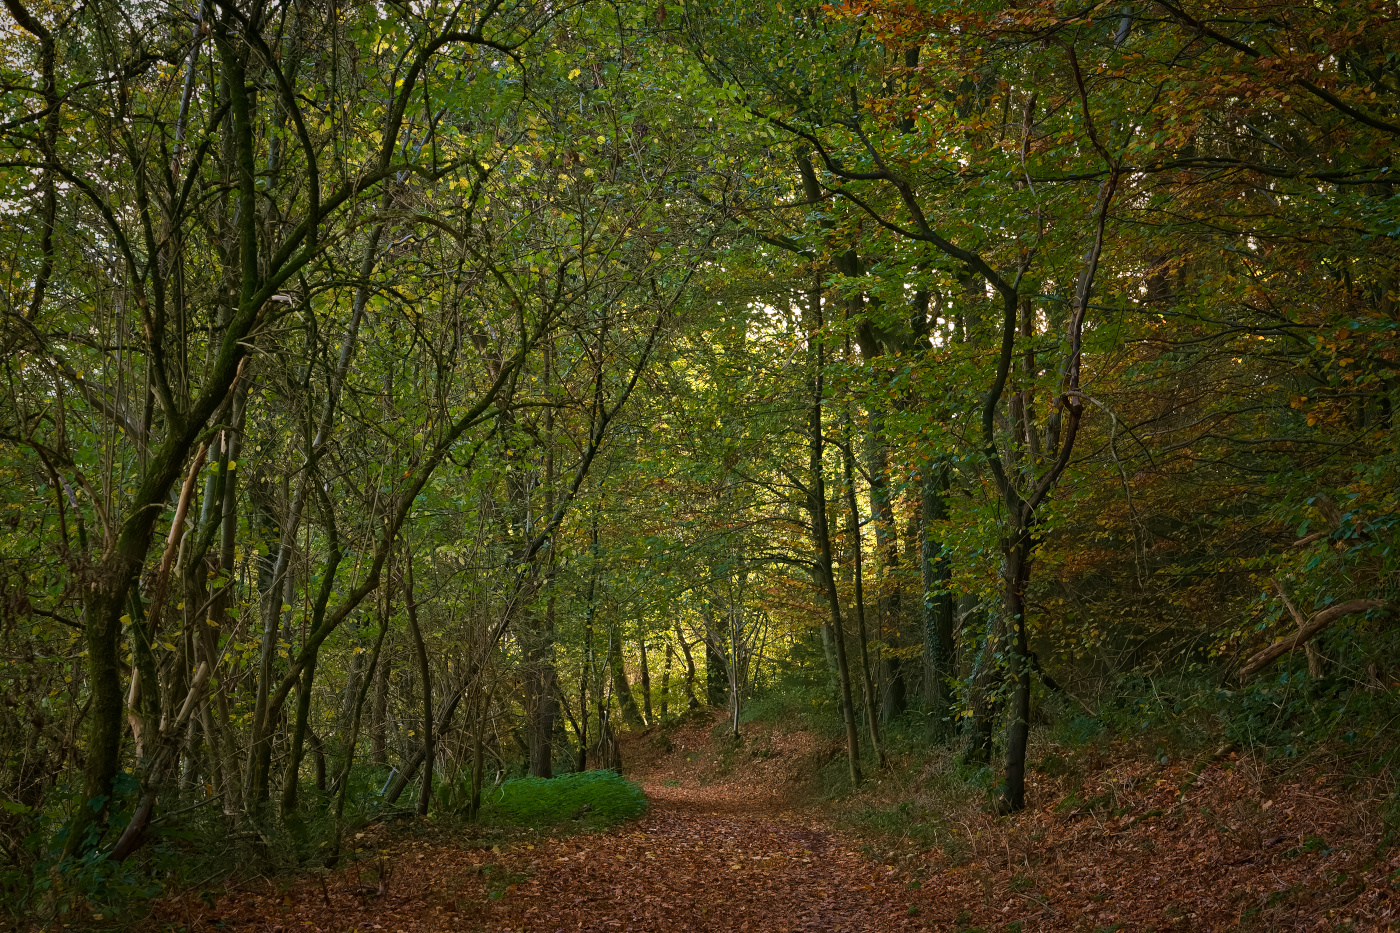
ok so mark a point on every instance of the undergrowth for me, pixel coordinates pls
(597, 799)
(183, 853)
(932, 797)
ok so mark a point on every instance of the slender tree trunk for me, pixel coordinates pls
(350, 692)
(379, 713)
(291, 780)
(425, 674)
(626, 702)
(589, 667)
(646, 684)
(939, 661)
(318, 758)
(692, 702)
(543, 714)
(544, 711)
(590, 662)
(666, 677)
(478, 762)
(341, 786)
(890, 606)
(308, 671)
(716, 674)
(1018, 559)
(816, 506)
(858, 568)
(988, 675)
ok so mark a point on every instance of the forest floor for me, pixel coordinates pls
(736, 840)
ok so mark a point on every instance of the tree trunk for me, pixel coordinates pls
(543, 716)
(292, 778)
(542, 674)
(379, 713)
(646, 683)
(853, 532)
(939, 661)
(425, 674)
(987, 677)
(318, 758)
(626, 702)
(478, 763)
(716, 676)
(666, 677)
(342, 779)
(816, 507)
(308, 671)
(1018, 557)
(691, 701)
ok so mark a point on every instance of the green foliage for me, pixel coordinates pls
(905, 821)
(773, 707)
(801, 691)
(1283, 715)
(596, 799)
(578, 217)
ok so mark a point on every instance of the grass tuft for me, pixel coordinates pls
(598, 799)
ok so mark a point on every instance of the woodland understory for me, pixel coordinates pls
(403, 403)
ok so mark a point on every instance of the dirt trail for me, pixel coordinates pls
(687, 868)
(719, 850)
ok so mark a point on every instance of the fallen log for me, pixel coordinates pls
(1316, 624)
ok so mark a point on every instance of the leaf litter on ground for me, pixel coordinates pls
(737, 842)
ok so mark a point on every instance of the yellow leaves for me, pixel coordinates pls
(575, 73)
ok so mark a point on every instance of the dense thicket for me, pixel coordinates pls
(398, 397)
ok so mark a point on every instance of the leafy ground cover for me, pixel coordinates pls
(597, 798)
(739, 836)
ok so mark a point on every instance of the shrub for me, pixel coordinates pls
(598, 798)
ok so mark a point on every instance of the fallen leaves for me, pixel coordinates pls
(1131, 844)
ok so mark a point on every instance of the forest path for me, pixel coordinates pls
(728, 849)
(729, 844)
(698, 861)
(708, 861)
